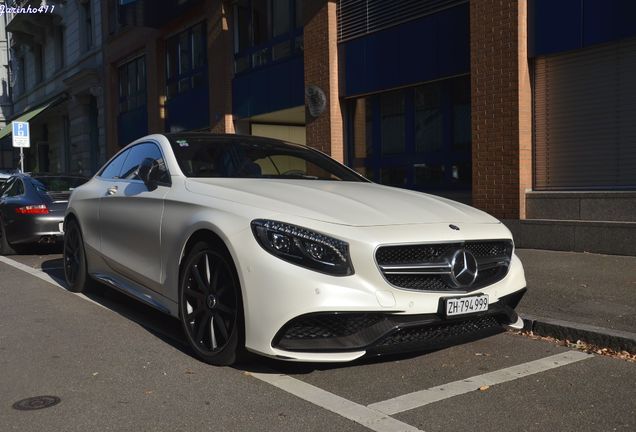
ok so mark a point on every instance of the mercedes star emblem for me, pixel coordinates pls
(463, 268)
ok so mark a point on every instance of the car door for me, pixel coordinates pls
(87, 206)
(130, 219)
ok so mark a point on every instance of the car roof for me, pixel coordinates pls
(32, 175)
(57, 175)
(174, 136)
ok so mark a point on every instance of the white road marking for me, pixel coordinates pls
(367, 417)
(434, 394)
(45, 277)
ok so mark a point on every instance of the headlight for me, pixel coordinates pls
(303, 247)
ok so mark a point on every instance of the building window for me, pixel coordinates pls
(132, 85)
(38, 60)
(260, 24)
(21, 75)
(428, 117)
(266, 31)
(87, 24)
(280, 17)
(460, 97)
(186, 61)
(59, 47)
(392, 122)
(418, 137)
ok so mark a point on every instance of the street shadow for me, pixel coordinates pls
(50, 266)
(160, 325)
(169, 330)
(39, 249)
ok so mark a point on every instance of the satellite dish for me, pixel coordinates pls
(315, 99)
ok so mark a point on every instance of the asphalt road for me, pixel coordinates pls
(118, 365)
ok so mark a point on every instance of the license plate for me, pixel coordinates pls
(61, 225)
(466, 305)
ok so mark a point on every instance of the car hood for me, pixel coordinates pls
(344, 203)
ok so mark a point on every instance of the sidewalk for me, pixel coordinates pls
(582, 296)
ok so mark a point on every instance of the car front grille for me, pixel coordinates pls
(428, 267)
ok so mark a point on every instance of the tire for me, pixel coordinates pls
(210, 305)
(75, 270)
(5, 247)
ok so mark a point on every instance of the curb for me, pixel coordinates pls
(602, 337)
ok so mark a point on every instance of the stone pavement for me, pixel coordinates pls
(582, 296)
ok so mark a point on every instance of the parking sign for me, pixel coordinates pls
(21, 137)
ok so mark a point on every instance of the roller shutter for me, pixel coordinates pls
(585, 118)
(360, 17)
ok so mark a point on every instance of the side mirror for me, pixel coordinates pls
(149, 173)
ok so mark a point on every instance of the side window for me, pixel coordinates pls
(4, 190)
(113, 169)
(16, 189)
(137, 154)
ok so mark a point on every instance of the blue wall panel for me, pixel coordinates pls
(425, 49)
(132, 125)
(556, 26)
(188, 111)
(272, 88)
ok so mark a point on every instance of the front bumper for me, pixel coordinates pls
(378, 333)
(275, 293)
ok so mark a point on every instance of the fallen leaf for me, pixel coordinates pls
(484, 388)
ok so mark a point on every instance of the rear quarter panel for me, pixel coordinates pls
(84, 204)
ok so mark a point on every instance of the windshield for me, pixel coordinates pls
(58, 184)
(220, 156)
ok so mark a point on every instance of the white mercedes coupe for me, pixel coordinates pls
(257, 244)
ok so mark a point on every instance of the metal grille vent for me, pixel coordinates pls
(59, 196)
(360, 17)
(328, 326)
(427, 267)
(440, 332)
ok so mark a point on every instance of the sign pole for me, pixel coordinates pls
(21, 159)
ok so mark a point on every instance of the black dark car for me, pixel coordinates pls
(32, 208)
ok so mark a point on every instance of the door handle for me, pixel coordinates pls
(111, 190)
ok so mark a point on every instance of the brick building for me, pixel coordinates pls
(522, 108)
(56, 68)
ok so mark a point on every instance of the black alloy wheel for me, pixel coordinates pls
(74, 258)
(210, 305)
(5, 247)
